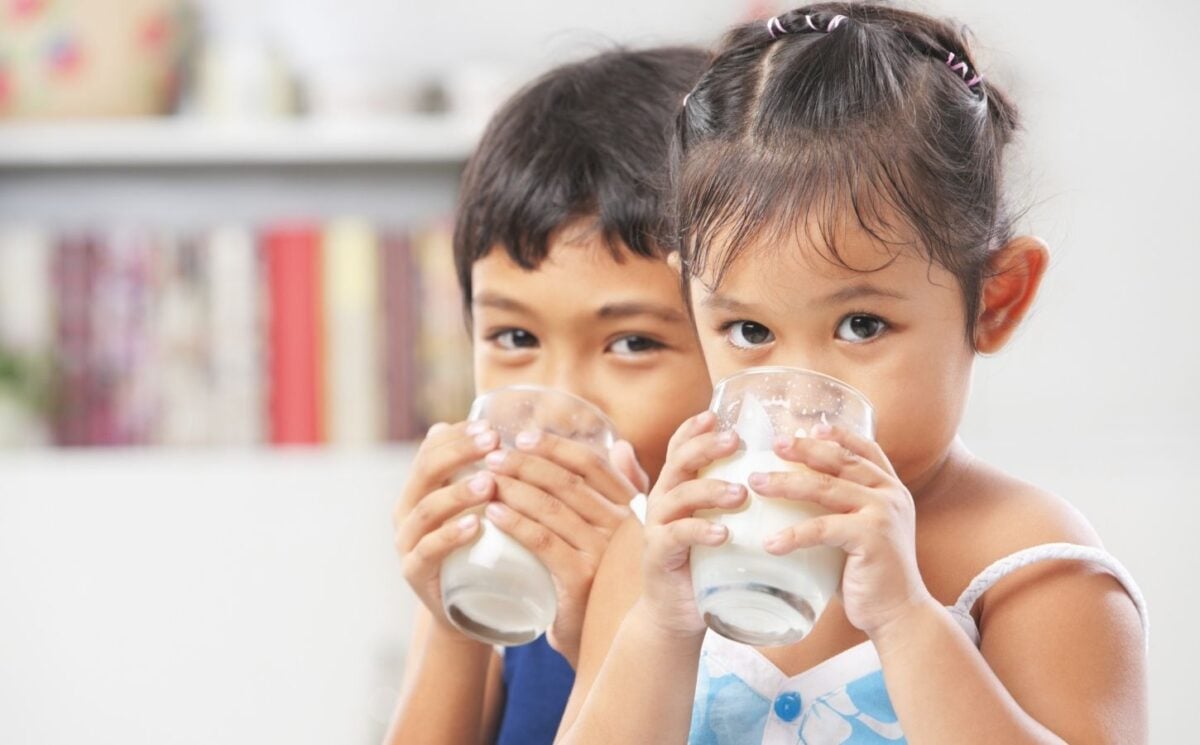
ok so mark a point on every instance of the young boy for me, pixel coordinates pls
(560, 253)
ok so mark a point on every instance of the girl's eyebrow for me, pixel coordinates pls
(723, 302)
(858, 291)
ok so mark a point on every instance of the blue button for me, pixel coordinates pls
(787, 706)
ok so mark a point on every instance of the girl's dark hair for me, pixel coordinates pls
(844, 111)
(586, 140)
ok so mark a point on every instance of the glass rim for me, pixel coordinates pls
(785, 369)
(542, 390)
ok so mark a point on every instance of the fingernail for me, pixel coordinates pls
(478, 427)
(480, 483)
(496, 512)
(495, 458)
(717, 534)
(773, 543)
(701, 419)
(783, 442)
(485, 441)
(437, 427)
(725, 439)
(822, 430)
(758, 480)
(734, 494)
(528, 438)
(466, 522)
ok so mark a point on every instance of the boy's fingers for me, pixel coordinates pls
(436, 463)
(581, 459)
(436, 508)
(550, 513)
(559, 483)
(424, 561)
(558, 556)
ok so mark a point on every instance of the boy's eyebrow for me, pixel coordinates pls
(500, 302)
(634, 308)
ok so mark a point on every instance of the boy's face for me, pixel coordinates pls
(616, 334)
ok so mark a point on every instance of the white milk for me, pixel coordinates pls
(496, 590)
(742, 591)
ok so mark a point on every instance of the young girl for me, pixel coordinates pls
(841, 210)
(561, 264)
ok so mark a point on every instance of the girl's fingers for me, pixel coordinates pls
(436, 508)
(580, 459)
(830, 457)
(551, 514)
(694, 455)
(669, 546)
(839, 531)
(818, 487)
(690, 496)
(423, 563)
(559, 483)
(671, 475)
(861, 446)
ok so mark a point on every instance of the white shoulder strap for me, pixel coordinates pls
(1045, 552)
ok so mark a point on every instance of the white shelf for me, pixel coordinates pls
(415, 140)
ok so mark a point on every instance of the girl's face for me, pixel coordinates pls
(614, 333)
(896, 333)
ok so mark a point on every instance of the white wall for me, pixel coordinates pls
(184, 599)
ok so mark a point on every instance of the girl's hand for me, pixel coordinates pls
(563, 501)
(873, 521)
(431, 519)
(672, 529)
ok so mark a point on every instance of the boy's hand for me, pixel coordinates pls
(563, 501)
(425, 531)
(873, 520)
(672, 529)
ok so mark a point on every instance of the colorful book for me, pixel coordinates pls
(400, 288)
(235, 336)
(292, 258)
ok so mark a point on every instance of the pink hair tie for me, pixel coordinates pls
(772, 25)
(837, 21)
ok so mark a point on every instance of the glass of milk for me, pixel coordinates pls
(494, 589)
(743, 592)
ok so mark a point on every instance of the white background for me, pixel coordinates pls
(188, 598)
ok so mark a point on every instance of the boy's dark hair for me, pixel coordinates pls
(845, 110)
(589, 139)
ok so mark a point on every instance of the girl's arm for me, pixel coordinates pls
(447, 667)
(642, 634)
(1062, 657)
(1062, 660)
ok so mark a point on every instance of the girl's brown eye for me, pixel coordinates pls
(515, 339)
(860, 327)
(747, 334)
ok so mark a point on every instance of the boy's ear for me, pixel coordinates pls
(1015, 272)
(674, 262)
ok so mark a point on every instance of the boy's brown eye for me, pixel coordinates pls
(516, 339)
(634, 344)
(860, 327)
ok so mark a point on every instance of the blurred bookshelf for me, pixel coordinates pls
(183, 283)
(164, 142)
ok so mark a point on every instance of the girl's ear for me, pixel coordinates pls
(1015, 272)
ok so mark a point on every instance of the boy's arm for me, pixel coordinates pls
(635, 681)
(444, 667)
